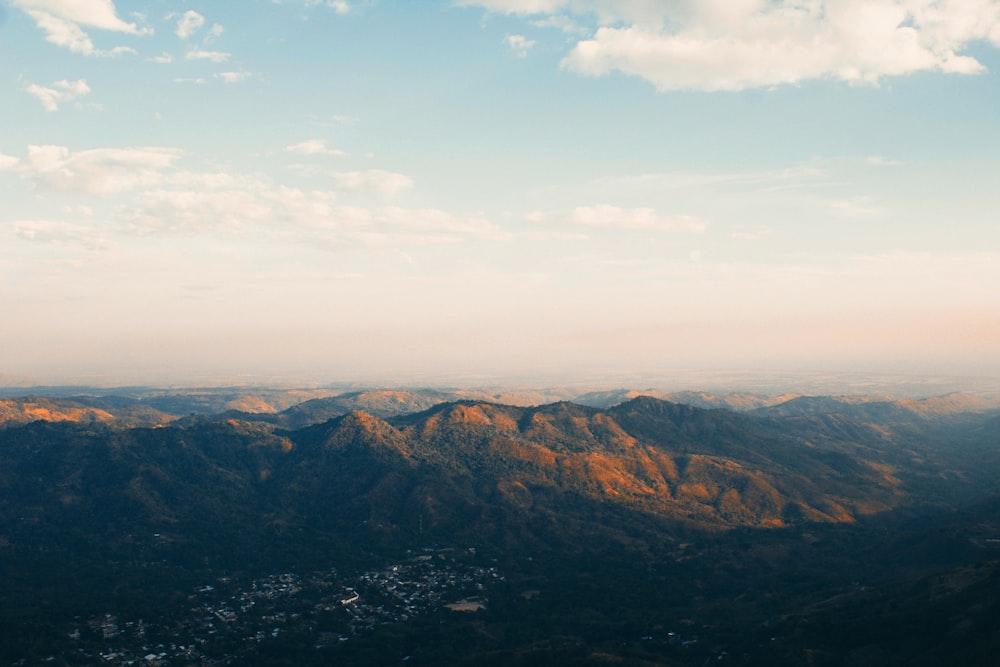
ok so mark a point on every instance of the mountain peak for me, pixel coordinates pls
(355, 431)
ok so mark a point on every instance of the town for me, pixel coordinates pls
(231, 618)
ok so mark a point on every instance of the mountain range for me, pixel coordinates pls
(116, 484)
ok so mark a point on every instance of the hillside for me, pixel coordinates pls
(645, 496)
(673, 462)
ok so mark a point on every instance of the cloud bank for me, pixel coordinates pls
(100, 171)
(153, 194)
(731, 45)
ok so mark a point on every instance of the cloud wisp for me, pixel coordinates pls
(313, 147)
(189, 23)
(204, 54)
(519, 45)
(58, 92)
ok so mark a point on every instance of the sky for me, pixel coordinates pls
(326, 190)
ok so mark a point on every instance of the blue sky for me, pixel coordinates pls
(361, 190)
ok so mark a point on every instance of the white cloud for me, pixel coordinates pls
(99, 14)
(313, 147)
(248, 206)
(163, 59)
(168, 210)
(153, 196)
(636, 219)
(101, 171)
(61, 20)
(58, 92)
(189, 23)
(377, 180)
(233, 77)
(119, 51)
(202, 54)
(64, 33)
(8, 162)
(519, 45)
(715, 45)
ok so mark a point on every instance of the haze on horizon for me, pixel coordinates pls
(361, 189)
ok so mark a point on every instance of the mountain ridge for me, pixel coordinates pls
(649, 511)
(714, 467)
